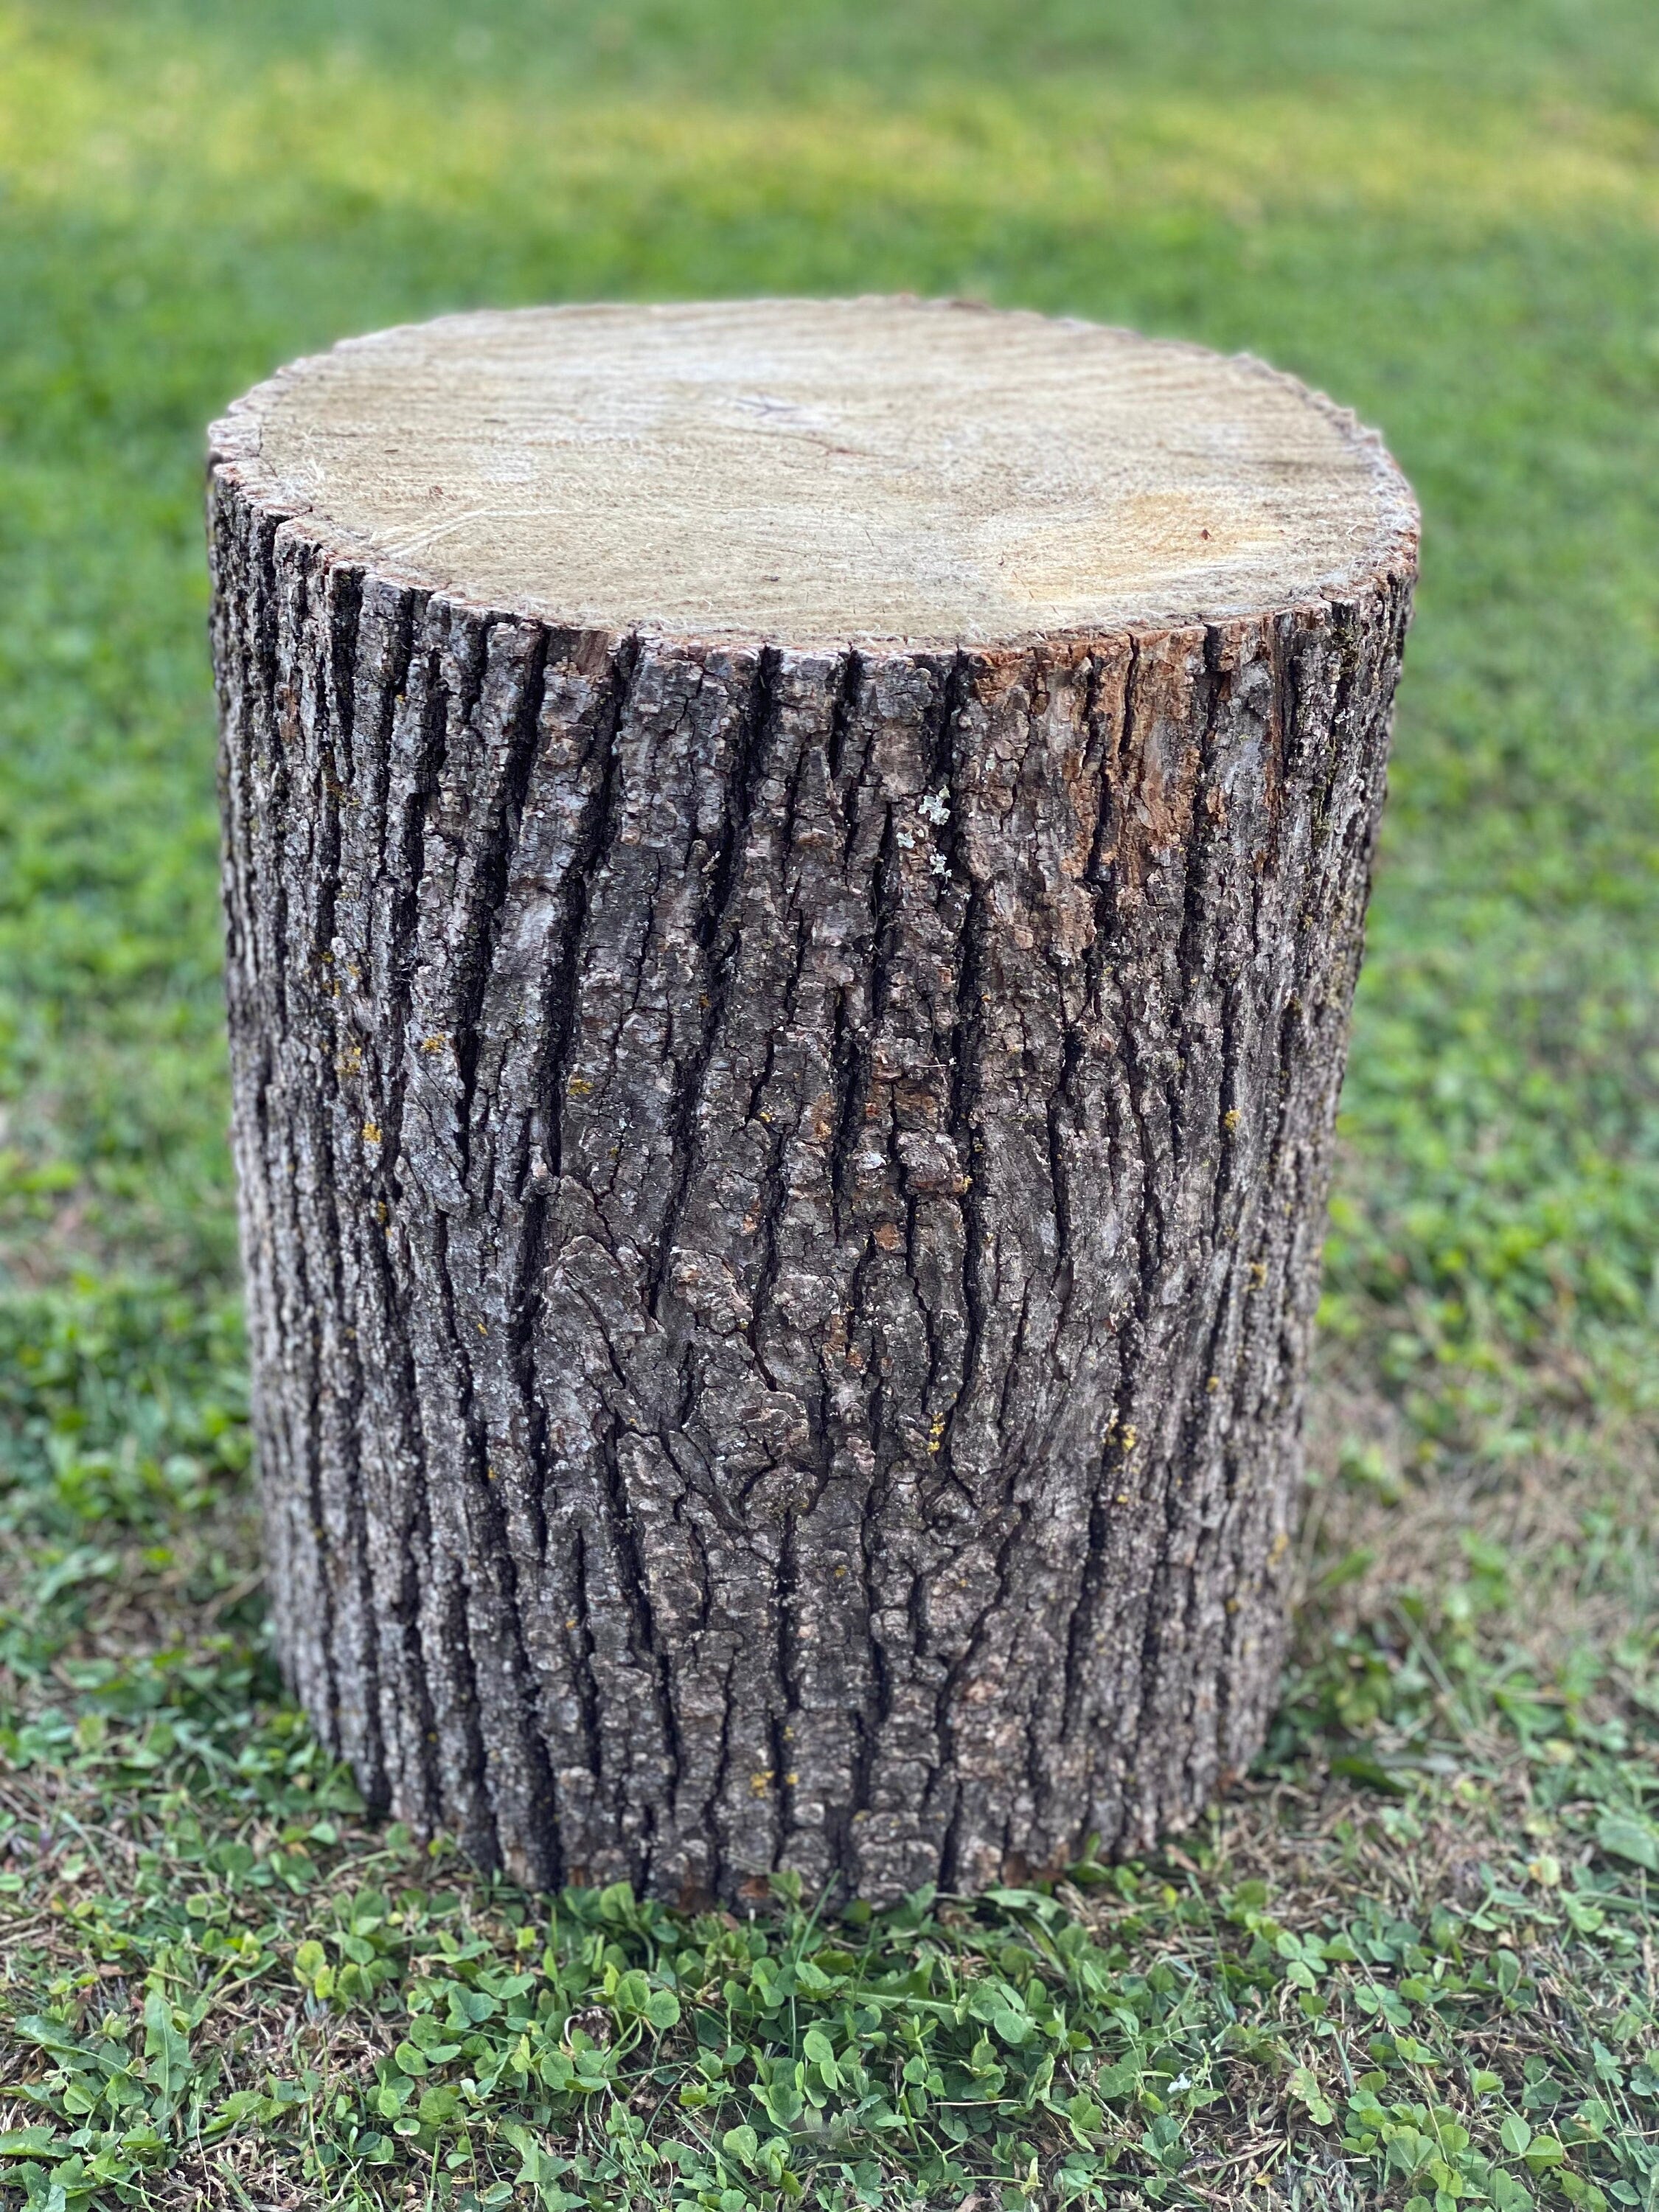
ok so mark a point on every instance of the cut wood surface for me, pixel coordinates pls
(794, 876)
(812, 473)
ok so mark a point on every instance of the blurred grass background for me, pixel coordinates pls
(1447, 215)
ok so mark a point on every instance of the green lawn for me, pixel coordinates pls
(1411, 1962)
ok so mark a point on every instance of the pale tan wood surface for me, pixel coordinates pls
(819, 471)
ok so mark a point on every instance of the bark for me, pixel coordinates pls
(781, 1201)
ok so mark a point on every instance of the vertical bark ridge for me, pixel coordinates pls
(343, 586)
(370, 1014)
(321, 609)
(527, 1015)
(781, 1193)
(716, 938)
(288, 970)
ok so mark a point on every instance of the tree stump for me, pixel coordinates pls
(794, 876)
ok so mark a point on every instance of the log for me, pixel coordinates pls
(794, 874)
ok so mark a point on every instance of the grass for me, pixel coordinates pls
(1410, 1961)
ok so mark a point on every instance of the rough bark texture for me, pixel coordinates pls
(782, 1197)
